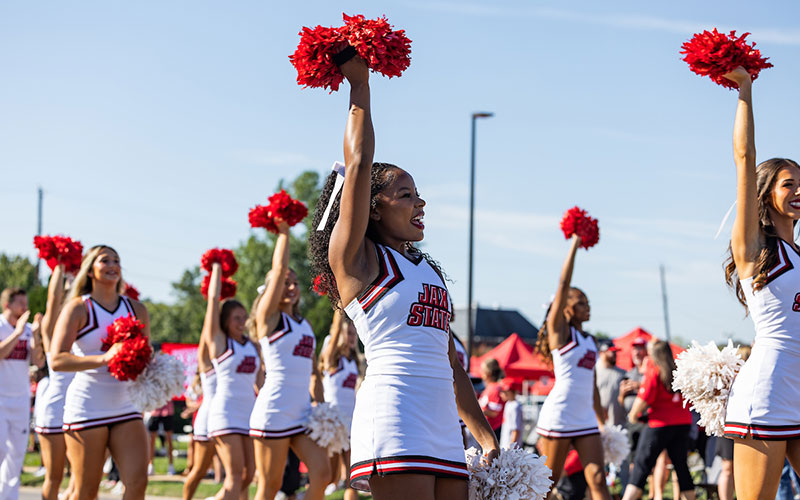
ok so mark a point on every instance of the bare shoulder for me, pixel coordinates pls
(139, 309)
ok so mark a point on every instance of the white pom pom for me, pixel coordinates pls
(704, 375)
(158, 383)
(615, 444)
(328, 428)
(514, 475)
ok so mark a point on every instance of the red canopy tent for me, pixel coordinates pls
(625, 346)
(516, 358)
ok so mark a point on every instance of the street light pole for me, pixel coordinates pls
(470, 322)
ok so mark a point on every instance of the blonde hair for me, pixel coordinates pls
(342, 349)
(661, 355)
(82, 284)
(744, 351)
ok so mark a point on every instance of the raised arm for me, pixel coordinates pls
(55, 298)
(315, 385)
(347, 249)
(335, 332)
(557, 328)
(745, 237)
(212, 333)
(267, 308)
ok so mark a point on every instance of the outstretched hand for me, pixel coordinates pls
(355, 70)
(738, 76)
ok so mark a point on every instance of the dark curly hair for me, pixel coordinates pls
(381, 175)
(766, 176)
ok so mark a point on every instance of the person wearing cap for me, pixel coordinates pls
(609, 378)
(511, 430)
(628, 389)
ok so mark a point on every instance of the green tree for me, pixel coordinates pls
(18, 271)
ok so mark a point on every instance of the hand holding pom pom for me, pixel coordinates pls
(327, 427)
(57, 250)
(715, 54)
(515, 473)
(228, 288)
(224, 257)
(282, 207)
(577, 221)
(128, 348)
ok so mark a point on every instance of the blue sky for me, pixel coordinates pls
(154, 126)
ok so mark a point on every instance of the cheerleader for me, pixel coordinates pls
(98, 412)
(202, 447)
(283, 405)
(572, 415)
(764, 270)
(339, 365)
(406, 441)
(50, 407)
(239, 373)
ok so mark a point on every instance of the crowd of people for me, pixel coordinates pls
(260, 376)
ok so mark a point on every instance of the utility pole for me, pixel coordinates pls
(664, 301)
(39, 226)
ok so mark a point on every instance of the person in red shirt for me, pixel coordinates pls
(491, 402)
(668, 424)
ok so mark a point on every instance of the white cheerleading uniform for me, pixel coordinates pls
(95, 398)
(405, 419)
(50, 405)
(283, 405)
(15, 408)
(339, 387)
(208, 382)
(236, 370)
(764, 398)
(568, 410)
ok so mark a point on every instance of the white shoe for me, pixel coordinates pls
(280, 496)
(41, 471)
(107, 465)
(150, 470)
(331, 489)
(119, 489)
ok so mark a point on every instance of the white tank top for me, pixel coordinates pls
(90, 338)
(339, 386)
(573, 366)
(236, 370)
(15, 383)
(775, 308)
(208, 382)
(403, 318)
(288, 352)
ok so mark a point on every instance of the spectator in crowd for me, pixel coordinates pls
(162, 419)
(490, 401)
(668, 423)
(511, 430)
(724, 448)
(627, 395)
(609, 379)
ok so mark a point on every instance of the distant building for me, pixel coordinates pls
(493, 326)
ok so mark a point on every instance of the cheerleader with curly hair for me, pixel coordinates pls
(764, 270)
(572, 415)
(281, 412)
(98, 411)
(239, 372)
(406, 441)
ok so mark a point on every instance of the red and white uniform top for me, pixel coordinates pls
(568, 410)
(15, 381)
(403, 318)
(236, 370)
(339, 386)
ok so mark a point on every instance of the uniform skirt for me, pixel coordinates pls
(764, 396)
(50, 404)
(281, 409)
(94, 400)
(405, 425)
(566, 418)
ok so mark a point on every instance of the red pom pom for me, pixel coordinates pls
(282, 206)
(135, 353)
(228, 288)
(131, 291)
(386, 51)
(320, 287)
(225, 257)
(383, 49)
(576, 221)
(313, 58)
(713, 54)
(60, 249)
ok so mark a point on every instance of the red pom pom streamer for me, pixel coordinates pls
(385, 50)
(131, 292)
(60, 249)
(282, 206)
(320, 287)
(228, 288)
(135, 353)
(714, 54)
(226, 259)
(576, 221)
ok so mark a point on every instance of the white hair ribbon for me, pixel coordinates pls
(261, 289)
(337, 167)
(724, 220)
